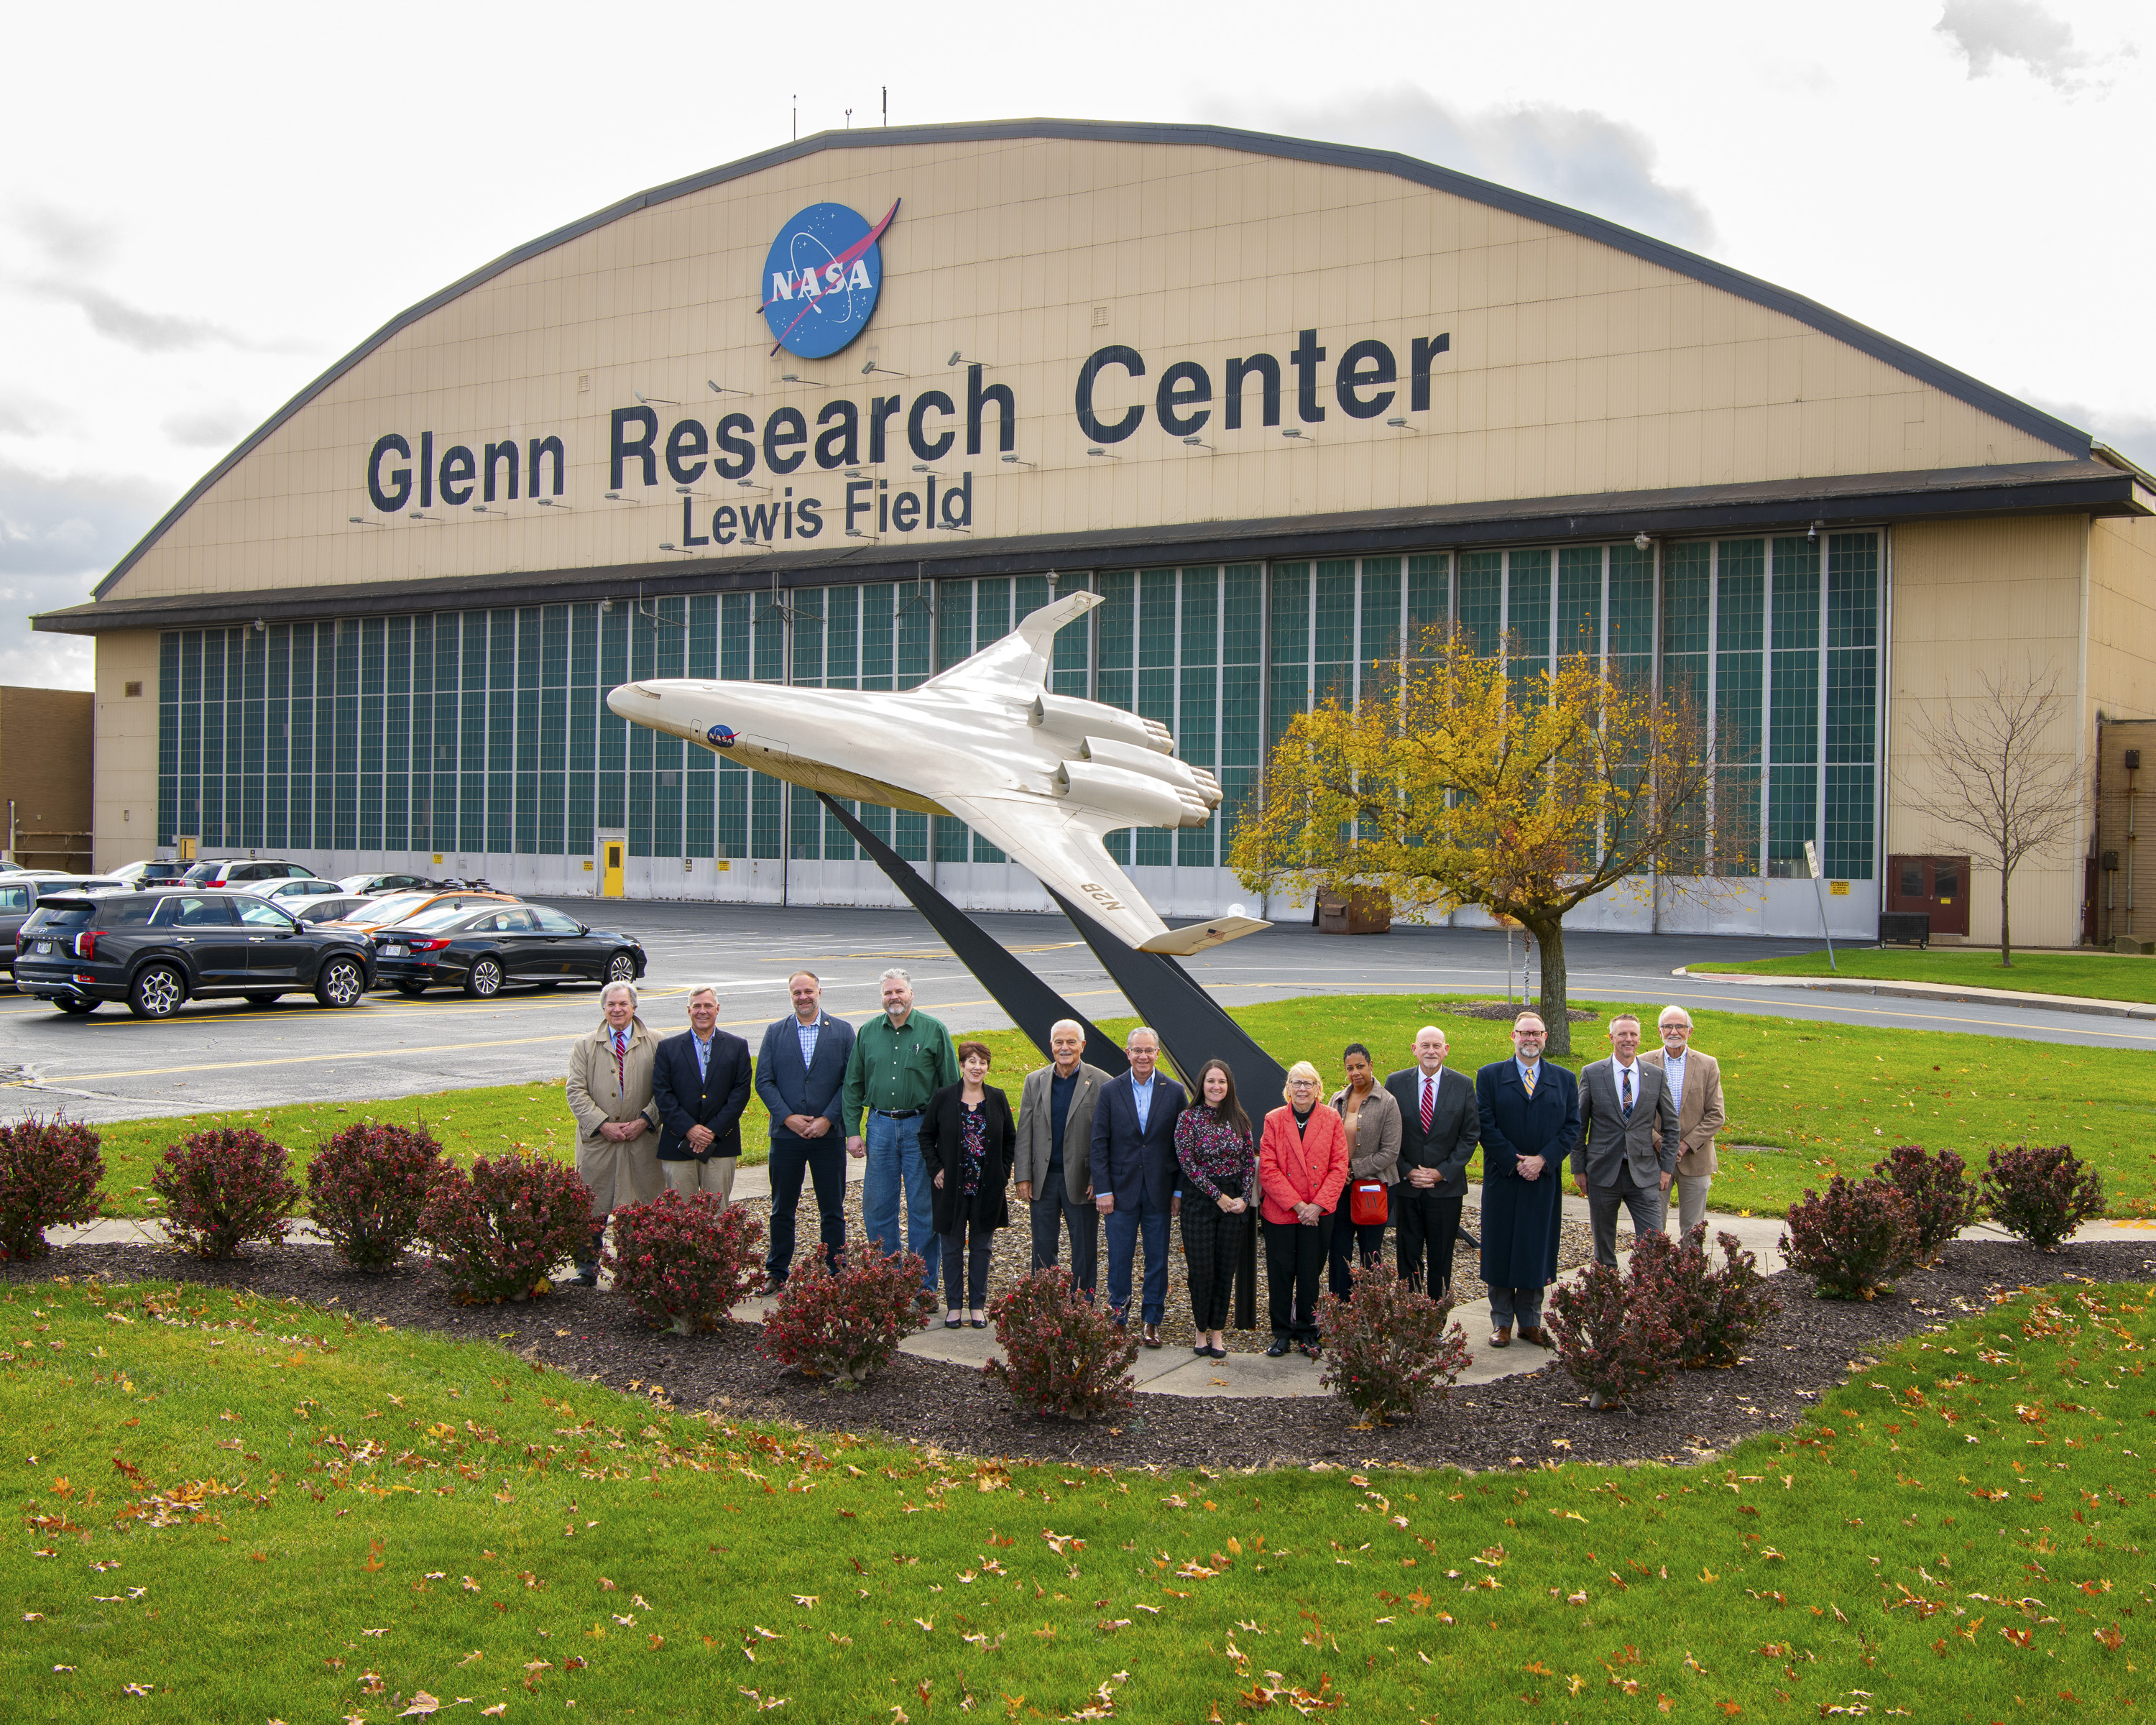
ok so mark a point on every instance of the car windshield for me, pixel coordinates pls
(390, 909)
(438, 916)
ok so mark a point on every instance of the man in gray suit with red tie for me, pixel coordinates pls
(1628, 1140)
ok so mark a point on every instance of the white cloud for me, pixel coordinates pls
(1572, 155)
(1989, 31)
(218, 426)
(2133, 435)
(59, 534)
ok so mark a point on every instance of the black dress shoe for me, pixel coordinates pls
(1279, 1349)
(588, 1275)
(954, 1323)
(1202, 1351)
(1216, 1352)
(979, 1323)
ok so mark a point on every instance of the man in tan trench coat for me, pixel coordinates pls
(610, 1090)
(1695, 1080)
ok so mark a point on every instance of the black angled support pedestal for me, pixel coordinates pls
(1194, 1027)
(1033, 1007)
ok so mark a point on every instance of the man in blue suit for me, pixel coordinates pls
(1134, 1176)
(1530, 1112)
(801, 1075)
(698, 1087)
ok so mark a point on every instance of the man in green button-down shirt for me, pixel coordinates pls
(899, 1061)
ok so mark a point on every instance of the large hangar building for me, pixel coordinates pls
(839, 413)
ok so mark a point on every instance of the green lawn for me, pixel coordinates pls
(2099, 976)
(235, 1509)
(1811, 1098)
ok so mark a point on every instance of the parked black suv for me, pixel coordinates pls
(22, 890)
(156, 949)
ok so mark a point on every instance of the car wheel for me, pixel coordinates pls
(261, 999)
(340, 982)
(411, 991)
(483, 981)
(157, 993)
(75, 1006)
(621, 968)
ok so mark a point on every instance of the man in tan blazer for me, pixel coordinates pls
(1696, 1078)
(609, 1091)
(1053, 1169)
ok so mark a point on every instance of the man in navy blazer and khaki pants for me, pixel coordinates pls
(1134, 1176)
(801, 1075)
(699, 1083)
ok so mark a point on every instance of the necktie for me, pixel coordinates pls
(621, 1058)
(1527, 1079)
(1626, 1099)
(1429, 1101)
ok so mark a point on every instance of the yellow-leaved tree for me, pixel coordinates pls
(1456, 779)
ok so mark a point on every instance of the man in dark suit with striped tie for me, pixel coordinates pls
(1439, 1127)
(801, 1076)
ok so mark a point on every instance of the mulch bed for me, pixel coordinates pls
(1516, 1421)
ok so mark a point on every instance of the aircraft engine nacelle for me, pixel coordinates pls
(1116, 790)
(1065, 715)
(1194, 781)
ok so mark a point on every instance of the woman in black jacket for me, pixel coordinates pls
(967, 1137)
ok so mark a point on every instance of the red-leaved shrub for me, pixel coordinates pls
(223, 1188)
(1941, 1197)
(843, 1324)
(2041, 1194)
(366, 1186)
(1062, 1355)
(1611, 1338)
(684, 1262)
(49, 1172)
(497, 1231)
(1387, 1348)
(1852, 1240)
(1713, 1311)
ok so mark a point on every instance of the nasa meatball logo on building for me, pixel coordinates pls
(822, 278)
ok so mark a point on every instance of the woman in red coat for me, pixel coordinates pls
(1302, 1164)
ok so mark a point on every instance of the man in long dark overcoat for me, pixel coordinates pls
(1530, 1112)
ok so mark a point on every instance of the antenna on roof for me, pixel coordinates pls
(887, 104)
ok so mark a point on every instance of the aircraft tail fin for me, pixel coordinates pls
(1019, 664)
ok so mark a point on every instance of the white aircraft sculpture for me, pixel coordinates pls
(1041, 776)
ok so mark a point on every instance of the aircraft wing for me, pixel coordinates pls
(1063, 851)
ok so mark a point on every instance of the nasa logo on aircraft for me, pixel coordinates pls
(822, 278)
(721, 736)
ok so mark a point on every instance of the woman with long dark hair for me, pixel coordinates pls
(1220, 1159)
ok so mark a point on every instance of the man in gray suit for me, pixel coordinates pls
(1628, 1141)
(1052, 1162)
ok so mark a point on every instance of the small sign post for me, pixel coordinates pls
(1811, 862)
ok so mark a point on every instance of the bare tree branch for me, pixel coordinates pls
(1996, 780)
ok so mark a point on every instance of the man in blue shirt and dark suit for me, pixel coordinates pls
(801, 1075)
(1530, 1112)
(700, 1082)
(1134, 1176)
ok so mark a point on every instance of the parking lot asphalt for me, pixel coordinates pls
(218, 1055)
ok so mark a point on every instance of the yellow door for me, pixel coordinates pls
(610, 872)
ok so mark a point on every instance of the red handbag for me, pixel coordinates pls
(1369, 1202)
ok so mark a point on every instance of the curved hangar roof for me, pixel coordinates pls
(1556, 374)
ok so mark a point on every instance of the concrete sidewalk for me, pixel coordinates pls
(1927, 991)
(1173, 1370)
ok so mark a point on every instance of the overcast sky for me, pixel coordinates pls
(201, 208)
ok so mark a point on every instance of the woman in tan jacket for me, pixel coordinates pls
(610, 1090)
(1373, 1119)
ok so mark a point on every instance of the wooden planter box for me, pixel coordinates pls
(1356, 913)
